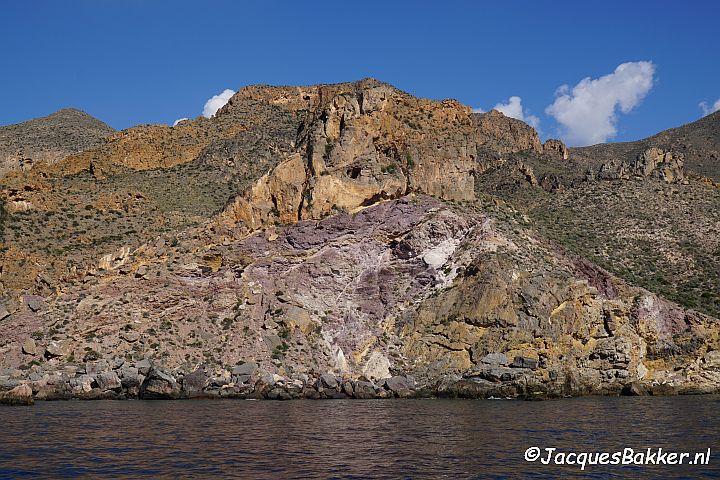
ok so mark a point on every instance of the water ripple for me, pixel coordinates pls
(348, 439)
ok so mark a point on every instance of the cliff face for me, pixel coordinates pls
(344, 239)
(505, 134)
(359, 144)
(442, 297)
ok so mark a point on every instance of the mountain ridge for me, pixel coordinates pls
(309, 237)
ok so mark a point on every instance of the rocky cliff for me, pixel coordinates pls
(644, 210)
(330, 241)
(359, 144)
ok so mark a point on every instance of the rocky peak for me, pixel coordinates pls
(363, 142)
(556, 148)
(49, 139)
(506, 134)
(309, 97)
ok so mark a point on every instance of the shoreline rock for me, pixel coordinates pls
(161, 384)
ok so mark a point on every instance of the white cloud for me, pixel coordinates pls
(478, 110)
(179, 120)
(708, 109)
(587, 113)
(217, 102)
(513, 108)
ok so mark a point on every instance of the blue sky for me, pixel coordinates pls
(142, 61)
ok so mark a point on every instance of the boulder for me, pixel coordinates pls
(329, 381)
(247, 368)
(241, 379)
(195, 382)
(377, 366)
(363, 389)
(131, 380)
(310, 393)
(83, 383)
(495, 358)
(159, 385)
(29, 347)
(94, 368)
(108, 381)
(34, 303)
(130, 336)
(141, 272)
(524, 362)
(401, 386)
(20, 395)
(498, 373)
(60, 348)
(278, 393)
(143, 366)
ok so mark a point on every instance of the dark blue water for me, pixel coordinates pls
(351, 438)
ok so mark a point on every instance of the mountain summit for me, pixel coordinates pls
(49, 139)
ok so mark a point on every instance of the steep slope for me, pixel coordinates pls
(639, 209)
(63, 218)
(49, 139)
(337, 240)
(294, 152)
(444, 299)
(698, 142)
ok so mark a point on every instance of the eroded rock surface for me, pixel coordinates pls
(343, 306)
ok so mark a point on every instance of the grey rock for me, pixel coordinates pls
(132, 382)
(278, 393)
(399, 384)
(7, 384)
(268, 379)
(310, 393)
(247, 368)
(159, 385)
(363, 389)
(94, 368)
(83, 383)
(524, 362)
(141, 272)
(272, 341)
(128, 372)
(143, 366)
(195, 382)
(33, 303)
(108, 381)
(329, 381)
(241, 379)
(495, 358)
